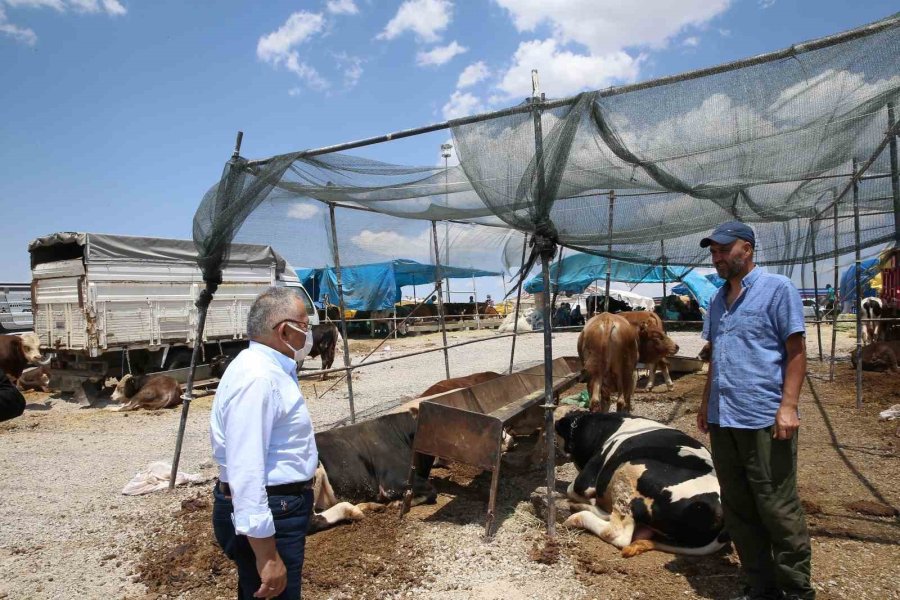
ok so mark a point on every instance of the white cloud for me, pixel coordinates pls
(474, 73)
(279, 47)
(440, 55)
(425, 18)
(110, 7)
(766, 3)
(606, 26)
(462, 104)
(563, 72)
(295, 91)
(828, 92)
(29, 37)
(691, 42)
(341, 7)
(351, 67)
(388, 243)
(303, 211)
(19, 34)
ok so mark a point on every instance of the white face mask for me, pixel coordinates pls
(301, 353)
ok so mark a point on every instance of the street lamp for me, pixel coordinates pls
(445, 152)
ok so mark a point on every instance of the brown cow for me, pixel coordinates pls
(18, 351)
(879, 356)
(705, 352)
(147, 391)
(654, 346)
(608, 348)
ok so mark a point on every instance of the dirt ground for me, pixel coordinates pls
(849, 479)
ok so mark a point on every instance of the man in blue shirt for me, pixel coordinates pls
(263, 442)
(749, 408)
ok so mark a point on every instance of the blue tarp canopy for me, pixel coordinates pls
(376, 286)
(870, 269)
(581, 270)
(701, 287)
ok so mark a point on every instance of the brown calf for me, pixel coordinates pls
(35, 378)
(17, 352)
(147, 391)
(608, 348)
(654, 346)
(879, 356)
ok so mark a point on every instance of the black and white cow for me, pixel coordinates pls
(642, 485)
(871, 309)
(367, 464)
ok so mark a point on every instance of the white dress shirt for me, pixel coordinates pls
(261, 434)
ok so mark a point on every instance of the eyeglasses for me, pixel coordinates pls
(302, 326)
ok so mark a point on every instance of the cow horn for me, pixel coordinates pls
(44, 362)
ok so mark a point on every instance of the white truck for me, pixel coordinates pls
(106, 305)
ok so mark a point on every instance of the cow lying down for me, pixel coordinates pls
(879, 356)
(367, 463)
(151, 392)
(642, 485)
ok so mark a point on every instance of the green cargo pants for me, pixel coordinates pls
(763, 515)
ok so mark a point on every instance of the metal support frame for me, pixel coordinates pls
(858, 285)
(545, 247)
(512, 351)
(340, 286)
(609, 222)
(836, 308)
(665, 262)
(440, 298)
(815, 265)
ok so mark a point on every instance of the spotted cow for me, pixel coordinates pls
(642, 485)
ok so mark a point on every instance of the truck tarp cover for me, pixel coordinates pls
(377, 286)
(104, 248)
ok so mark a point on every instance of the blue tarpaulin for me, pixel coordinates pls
(870, 269)
(376, 286)
(581, 270)
(701, 287)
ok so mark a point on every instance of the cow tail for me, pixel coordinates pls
(714, 546)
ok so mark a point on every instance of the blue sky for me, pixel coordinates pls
(117, 115)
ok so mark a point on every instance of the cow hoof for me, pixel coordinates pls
(635, 548)
(670, 388)
(355, 514)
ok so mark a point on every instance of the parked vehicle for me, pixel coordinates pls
(106, 305)
(15, 307)
(810, 308)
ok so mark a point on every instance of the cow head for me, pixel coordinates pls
(31, 348)
(125, 389)
(705, 352)
(659, 343)
(580, 433)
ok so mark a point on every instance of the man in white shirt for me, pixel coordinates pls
(263, 441)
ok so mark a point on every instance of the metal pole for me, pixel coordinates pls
(895, 176)
(812, 229)
(340, 285)
(475, 299)
(440, 297)
(512, 352)
(202, 305)
(664, 260)
(858, 287)
(549, 406)
(835, 308)
(609, 221)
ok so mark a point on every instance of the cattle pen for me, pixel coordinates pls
(566, 160)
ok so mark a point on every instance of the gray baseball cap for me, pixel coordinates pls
(728, 232)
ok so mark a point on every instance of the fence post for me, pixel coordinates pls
(340, 285)
(665, 263)
(440, 299)
(895, 175)
(609, 221)
(818, 312)
(836, 308)
(858, 286)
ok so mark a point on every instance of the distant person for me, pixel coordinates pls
(471, 299)
(12, 402)
(576, 318)
(431, 300)
(488, 301)
(263, 442)
(749, 407)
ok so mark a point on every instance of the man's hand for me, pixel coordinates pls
(702, 425)
(787, 421)
(270, 567)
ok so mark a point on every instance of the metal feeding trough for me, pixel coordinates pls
(466, 425)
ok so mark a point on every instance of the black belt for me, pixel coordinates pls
(284, 489)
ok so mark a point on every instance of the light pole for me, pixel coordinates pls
(445, 152)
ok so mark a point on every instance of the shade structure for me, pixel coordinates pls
(573, 274)
(377, 286)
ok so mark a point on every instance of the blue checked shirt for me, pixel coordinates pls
(749, 355)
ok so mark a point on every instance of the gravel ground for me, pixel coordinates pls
(68, 532)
